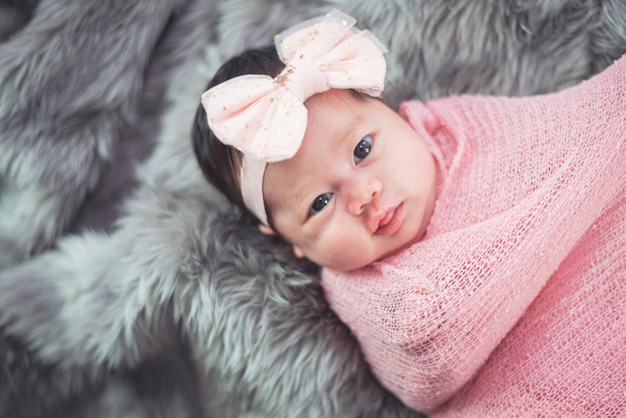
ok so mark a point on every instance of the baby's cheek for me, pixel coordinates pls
(339, 246)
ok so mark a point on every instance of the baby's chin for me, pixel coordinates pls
(343, 266)
(361, 263)
(399, 249)
(355, 263)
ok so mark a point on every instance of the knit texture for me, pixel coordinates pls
(514, 303)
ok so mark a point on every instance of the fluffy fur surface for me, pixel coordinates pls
(128, 287)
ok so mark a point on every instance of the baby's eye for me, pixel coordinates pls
(320, 203)
(362, 149)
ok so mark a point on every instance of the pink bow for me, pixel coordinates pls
(266, 118)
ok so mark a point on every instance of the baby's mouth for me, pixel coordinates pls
(388, 215)
(391, 221)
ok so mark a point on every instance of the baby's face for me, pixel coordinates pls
(361, 187)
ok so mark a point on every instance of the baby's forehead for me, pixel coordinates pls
(337, 97)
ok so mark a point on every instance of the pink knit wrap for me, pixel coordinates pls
(514, 304)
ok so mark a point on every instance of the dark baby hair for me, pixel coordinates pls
(221, 163)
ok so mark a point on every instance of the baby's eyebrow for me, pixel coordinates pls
(350, 127)
(346, 135)
(296, 204)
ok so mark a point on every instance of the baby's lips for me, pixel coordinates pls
(390, 221)
(375, 221)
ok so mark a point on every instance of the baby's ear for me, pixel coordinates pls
(266, 230)
(298, 252)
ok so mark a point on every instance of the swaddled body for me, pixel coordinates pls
(514, 303)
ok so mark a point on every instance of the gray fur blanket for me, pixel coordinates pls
(128, 286)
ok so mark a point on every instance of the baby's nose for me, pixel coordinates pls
(362, 193)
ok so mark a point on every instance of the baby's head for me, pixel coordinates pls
(358, 185)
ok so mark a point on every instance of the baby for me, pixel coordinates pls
(474, 245)
(330, 206)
